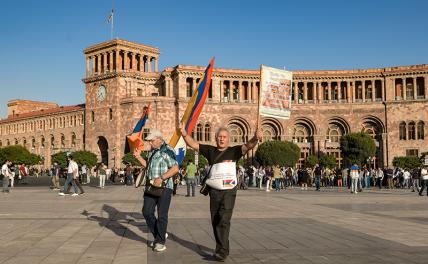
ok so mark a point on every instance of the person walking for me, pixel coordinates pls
(318, 171)
(416, 175)
(260, 176)
(379, 176)
(102, 174)
(72, 173)
(161, 166)
(7, 174)
(424, 178)
(355, 175)
(277, 177)
(56, 170)
(222, 181)
(191, 178)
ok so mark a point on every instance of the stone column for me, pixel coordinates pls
(104, 61)
(141, 61)
(373, 90)
(353, 90)
(194, 84)
(156, 65)
(88, 61)
(305, 92)
(363, 88)
(385, 149)
(99, 63)
(240, 91)
(93, 65)
(415, 92)
(221, 90)
(118, 67)
(111, 60)
(314, 92)
(426, 86)
(382, 90)
(125, 60)
(149, 64)
(230, 96)
(134, 60)
(339, 92)
(296, 93)
(329, 91)
(249, 92)
(404, 89)
(320, 92)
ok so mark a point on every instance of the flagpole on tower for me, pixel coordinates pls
(111, 20)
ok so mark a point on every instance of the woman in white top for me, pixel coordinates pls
(424, 179)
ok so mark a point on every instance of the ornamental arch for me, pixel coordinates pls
(304, 131)
(375, 128)
(239, 130)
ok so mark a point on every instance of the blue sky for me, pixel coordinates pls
(42, 41)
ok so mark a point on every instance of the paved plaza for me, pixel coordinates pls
(295, 226)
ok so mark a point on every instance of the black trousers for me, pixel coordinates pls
(424, 185)
(78, 186)
(221, 207)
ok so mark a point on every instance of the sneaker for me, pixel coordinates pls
(159, 248)
(61, 194)
(152, 244)
(75, 194)
(219, 257)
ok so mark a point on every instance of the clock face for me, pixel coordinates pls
(101, 93)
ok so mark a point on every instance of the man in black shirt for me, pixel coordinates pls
(222, 179)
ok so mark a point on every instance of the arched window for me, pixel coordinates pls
(236, 134)
(42, 142)
(199, 132)
(110, 114)
(421, 130)
(73, 140)
(402, 135)
(412, 131)
(62, 140)
(207, 132)
(189, 87)
(92, 117)
(24, 142)
(52, 141)
(1, 144)
(334, 133)
(33, 143)
(16, 141)
(7, 142)
(300, 134)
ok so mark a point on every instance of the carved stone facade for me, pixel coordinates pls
(122, 77)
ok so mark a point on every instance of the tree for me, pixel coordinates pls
(407, 162)
(357, 147)
(129, 158)
(283, 153)
(18, 154)
(190, 156)
(80, 157)
(311, 161)
(327, 161)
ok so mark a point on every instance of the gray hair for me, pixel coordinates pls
(222, 128)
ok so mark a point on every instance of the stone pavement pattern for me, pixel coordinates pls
(106, 226)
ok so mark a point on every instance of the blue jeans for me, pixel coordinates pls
(158, 225)
(317, 181)
(68, 181)
(278, 184)
(191, 182)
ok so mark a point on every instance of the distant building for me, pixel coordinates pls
(122, 77)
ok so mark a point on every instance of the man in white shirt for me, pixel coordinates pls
(7, 174)
(72, 173)
(424, 179)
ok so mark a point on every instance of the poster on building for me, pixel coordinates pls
(275, 92)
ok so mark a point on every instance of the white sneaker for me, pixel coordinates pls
(152, 244)
(159, 248)
(75, 194)
(61, 194)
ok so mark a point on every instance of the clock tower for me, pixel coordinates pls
(121, 78)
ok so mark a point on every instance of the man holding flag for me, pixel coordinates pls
(222, 179)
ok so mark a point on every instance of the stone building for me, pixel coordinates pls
(122, 77)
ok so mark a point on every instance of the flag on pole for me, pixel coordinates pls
(192, 112)
(135, 139)
(110, 17)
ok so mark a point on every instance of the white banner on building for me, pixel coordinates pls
(275, 92)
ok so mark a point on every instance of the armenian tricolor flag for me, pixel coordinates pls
(192, 112)
(135, 139)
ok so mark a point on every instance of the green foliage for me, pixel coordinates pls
(85, 158)
(407, 162)
(80, 157)
(60, 158)
(357, 147)
(18, 155)
(327, 161)
(190, 156)
(311, 161)
(129, 158)
(283, 153)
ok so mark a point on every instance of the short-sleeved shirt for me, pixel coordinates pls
(191, 171)
(72, 166)
(223, 170)
(160, 162)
